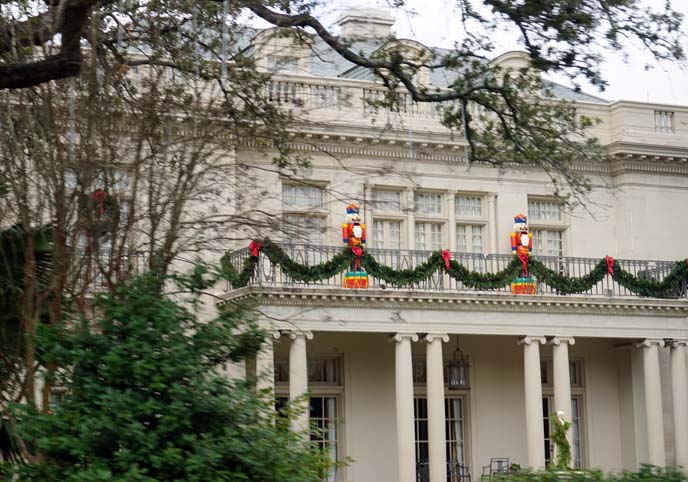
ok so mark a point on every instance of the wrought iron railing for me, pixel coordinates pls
(269, 274)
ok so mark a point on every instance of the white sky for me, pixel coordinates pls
(435, 23)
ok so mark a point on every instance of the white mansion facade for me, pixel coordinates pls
(374, 362)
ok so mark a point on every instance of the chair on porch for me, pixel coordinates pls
(456, 472)
(498, 466)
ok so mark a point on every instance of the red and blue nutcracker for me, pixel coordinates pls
(354, 236)
(521, 246)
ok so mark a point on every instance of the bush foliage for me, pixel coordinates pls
(145, 402)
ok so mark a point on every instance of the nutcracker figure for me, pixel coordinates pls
(521, 246)
(353, 231)
(353, 235)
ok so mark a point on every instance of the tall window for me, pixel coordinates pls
(454, 434)
(386, 230)
(470, 223)
(577, 391)
(429, 236)
(547, 410)
(326, 389)
(548, 225)
(303, 215)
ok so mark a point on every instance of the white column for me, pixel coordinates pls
(436, 418)
(451, 231)
(298, 380)
(411, 220)
(679, 391)
(265, 365)
(562, 379)
(535, 432)
(492, 231)
(653, 402)
(406, 451)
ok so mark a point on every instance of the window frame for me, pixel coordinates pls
(428, 244)
(315, 212)
(386, 231)
(545, 225)
(442, 214)
(388, 189)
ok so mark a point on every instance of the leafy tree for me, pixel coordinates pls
(145, 403)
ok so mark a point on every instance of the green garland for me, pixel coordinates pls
(483, 281)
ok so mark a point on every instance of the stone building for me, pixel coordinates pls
(380, 365)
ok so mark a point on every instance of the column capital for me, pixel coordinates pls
(276, 334)
(558, 340)
(430, 337)
(649, 342)
(677, 343)
(527, 340)
(403, 336)
(306, 334)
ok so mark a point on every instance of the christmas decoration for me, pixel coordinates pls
(522, 245)
(437, 262)
(353, 235)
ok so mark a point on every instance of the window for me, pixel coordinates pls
(548, 242)
(386, 234)
(325, 431)
(578, 389)
(664, 121)
(301, 197)
(324, 374)
(544, 211)
(547, 224)
(468, 206)
(576, 451)
(386, 200)
(428, 203)
(429, 236)
(302, 228)
(454, 432)
(469, 238)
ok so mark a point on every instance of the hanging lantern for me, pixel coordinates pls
(457, 370)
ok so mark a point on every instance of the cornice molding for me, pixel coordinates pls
(457, 301)
(376, 145)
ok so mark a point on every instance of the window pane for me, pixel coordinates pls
(420, 235)
(304, 229)
(547, 242)
(387, 200)
(469, 238)
(461, 244)
(301, 197)
(436, 236)
(468, 206)
(386, 234)
(428, 203)
(541, 211)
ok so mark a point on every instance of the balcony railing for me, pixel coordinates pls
(268, 274)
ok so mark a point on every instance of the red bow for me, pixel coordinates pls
(446, 256)
(255, 246)
(610, 265)
(524, 263)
